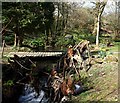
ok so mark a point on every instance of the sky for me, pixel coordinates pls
(110, 6)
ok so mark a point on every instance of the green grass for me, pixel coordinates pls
(104, 80)
(114, 48)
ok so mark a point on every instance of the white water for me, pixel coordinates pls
(30, 96)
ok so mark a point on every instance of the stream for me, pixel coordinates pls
(29, 95)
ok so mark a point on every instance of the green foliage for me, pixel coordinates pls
(102, 54)
(32, 18)
(117, 40)
(9, 83)
(103, 51)
(9, 39)
(105, 39)
(62, 41)
(28, 18)
(91, 38)
(117, 43)
(79, 35)
(36, 42)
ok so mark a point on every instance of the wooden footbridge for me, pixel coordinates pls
(35, 54)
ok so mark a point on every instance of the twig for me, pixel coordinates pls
(32, 62)
(6, 26)
(22, 79)
(20, 73)
(77, 45)
(22, 65)
(20, 83)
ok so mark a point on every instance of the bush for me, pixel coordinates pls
(9, 39)
(9, 83)
(36, 42)
(62, 42)
(78, 36)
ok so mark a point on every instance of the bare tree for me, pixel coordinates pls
(99, 8)
(117, 17)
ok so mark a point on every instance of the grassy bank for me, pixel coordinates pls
(104, 79)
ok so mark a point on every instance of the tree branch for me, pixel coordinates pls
(6, 26)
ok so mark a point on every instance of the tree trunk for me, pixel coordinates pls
(15, 40)
(97, 24)
(98, 30)
(18, 40)
(57, 22)
(18, 35)
(66, 21)
(63, 18)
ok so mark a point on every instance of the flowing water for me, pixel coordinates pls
(29, 95)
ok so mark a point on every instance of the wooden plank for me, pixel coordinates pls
(35, 54)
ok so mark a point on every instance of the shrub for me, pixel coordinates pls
(9, 83)
(9, 39)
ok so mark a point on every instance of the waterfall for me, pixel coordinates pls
(29, 95)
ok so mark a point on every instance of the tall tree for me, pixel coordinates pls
(117, 17)
(48, 8)
(28, 17)
(99, 8)
(11, 10)
(62, 13)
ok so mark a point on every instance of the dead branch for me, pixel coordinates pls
(19, 81)
(21, 65)
(6, 26)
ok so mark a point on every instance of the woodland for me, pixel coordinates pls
(88, 38)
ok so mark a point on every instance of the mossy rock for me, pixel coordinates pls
(98, 60)
(111, 58)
